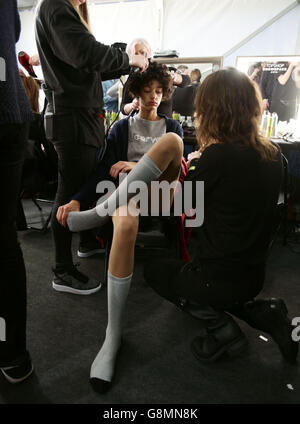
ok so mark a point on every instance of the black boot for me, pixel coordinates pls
(223, 336)
(270, 316)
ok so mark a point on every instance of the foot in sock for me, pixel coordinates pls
(85, 220)
(102, 369)
(145, 170)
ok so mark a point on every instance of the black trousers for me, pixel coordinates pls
(76, 162)
(13, 139)
(207, 286)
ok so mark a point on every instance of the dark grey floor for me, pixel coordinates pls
(155, 365)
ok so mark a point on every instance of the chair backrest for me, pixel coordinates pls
(40, 164)
(183, 100)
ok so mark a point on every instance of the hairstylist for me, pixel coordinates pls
(74, 64)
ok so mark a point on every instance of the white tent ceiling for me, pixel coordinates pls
(215, 27)
(195, 28)
(27, 4)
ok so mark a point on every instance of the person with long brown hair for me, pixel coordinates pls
(242, 173)
(74, 63)
(33, 90)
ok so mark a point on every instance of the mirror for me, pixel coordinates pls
(197, 68)
(183, 98)
(278, 78)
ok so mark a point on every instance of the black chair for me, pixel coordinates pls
(183, 100)
(39, 178)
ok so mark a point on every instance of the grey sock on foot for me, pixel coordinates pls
(145, 170)
(104, 363)
(85, 220)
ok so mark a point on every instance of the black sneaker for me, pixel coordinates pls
(73, 281)
(91, 248)
(18, 373)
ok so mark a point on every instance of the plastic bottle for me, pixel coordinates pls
(113, 117)
(274, 124)
(270, 122)
(189, 121)
(264, 123)
(107, 119)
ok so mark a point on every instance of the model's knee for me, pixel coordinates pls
(125, 229)
(173, 144)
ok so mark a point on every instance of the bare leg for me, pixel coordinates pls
(121, 262)
(121, 258)
(167, 156)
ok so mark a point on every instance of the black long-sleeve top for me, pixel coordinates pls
(267, 82)
(72, 60)
(240, 197)
(14, 103)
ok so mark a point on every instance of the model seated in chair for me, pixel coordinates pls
(242, 174)
(130, 137)
(128, 141)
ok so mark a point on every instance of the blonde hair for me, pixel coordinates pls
(83, 13)
(143, 41)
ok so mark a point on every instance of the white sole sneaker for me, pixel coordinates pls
(90, 253)
(67, 289)
(13, 380)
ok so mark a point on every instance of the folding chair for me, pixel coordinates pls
(39, 175)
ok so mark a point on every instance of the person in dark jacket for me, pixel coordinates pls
(128, 141)
(286, 92)
(15, 115)
(73, 64)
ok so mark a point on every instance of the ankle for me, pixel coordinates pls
(113, 337)
(61, 268)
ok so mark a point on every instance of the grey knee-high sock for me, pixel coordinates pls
(104, 363)
(145, 170)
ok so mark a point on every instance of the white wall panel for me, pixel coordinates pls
(27, 39)
(125, 21)
(213, 27)
(193, 27)
(281, 38)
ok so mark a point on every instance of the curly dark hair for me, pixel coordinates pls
(155, 71)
